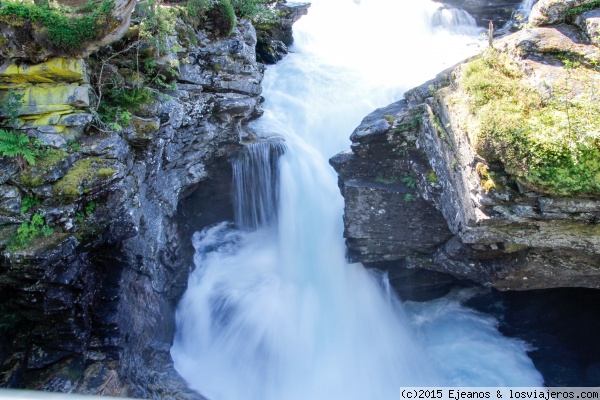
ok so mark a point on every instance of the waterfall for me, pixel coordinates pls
(526, 6)
(275, 312)
(255, 184)
(453, 19)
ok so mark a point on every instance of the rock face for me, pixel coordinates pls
(415, 188)
(88, 306)
(275, 38)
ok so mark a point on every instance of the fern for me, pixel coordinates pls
(28, 231)
(18, 146)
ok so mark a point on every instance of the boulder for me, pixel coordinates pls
(549, 12)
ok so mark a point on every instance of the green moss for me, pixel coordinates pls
(389, 118)
(550, 143)
(82, 176)
(59, 28)
(485, 176)
(432, 177)
(106, 173)
(35, 176)
(583, 8)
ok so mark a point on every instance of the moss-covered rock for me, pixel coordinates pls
(48, 169)
(85, 177)
(37, 32)
(546, 139)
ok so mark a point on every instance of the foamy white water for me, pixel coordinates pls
(276, 313)
(526, 6)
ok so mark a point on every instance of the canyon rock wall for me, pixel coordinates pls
(417, 188)
(88, 300)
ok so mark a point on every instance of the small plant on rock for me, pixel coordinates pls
(28, 231)
(20, 147)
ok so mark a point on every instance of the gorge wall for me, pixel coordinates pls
(438, 180)
(95, 232)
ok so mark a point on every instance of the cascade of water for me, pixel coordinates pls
(453, 19)
(526, 6)
(276, 313)
(255, 184)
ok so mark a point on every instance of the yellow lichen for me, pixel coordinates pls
(56, 69)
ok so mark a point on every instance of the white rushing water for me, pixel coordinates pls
(276, 313)
(526, 6)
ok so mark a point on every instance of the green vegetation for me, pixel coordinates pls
(157, 24)
(257, 11)
(223, 17)
(415, 122)
(432, 177)
(550, 143)
(20, 147)
(409, 197)
(47, 160)
(390, 119)
(87, 213)
(73, 146)
(57, 27)
(29, 230)
(409, 181)
(583, 8)
(486, 177)
(28, 203)
(82, 176)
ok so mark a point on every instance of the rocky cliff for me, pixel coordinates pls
(124, 146)
(489, 172)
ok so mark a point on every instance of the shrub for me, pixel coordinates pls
(157, 25)
(255, 10)
(223, 17)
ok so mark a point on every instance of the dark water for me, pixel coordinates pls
(562, 325)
